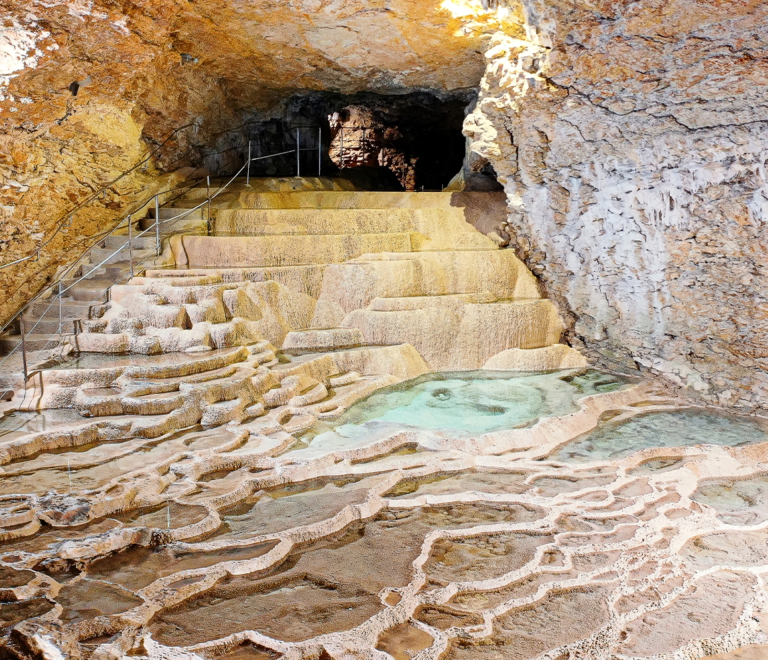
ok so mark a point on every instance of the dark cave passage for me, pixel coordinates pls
(404, 142)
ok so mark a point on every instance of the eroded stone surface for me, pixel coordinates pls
(410, 541)
(629, 137)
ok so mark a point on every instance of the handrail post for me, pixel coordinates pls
(208, 194)
(23, 349)
(130, 243)
(60, 324)
(157, 224)
(248, 171)
(341, 158)
(319, 150)
(298, 149)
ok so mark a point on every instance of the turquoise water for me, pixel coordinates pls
(469, 403)
(679, 428)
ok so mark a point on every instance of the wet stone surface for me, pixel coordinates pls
(680, 428)
(570, 524)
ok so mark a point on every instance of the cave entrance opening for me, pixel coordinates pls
(378, 142)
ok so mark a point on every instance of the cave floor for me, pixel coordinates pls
(607, 522)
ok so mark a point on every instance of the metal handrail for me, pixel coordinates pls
(61, 291)
(60, 224)
(129, 244)
(97, 239)
(101, 236)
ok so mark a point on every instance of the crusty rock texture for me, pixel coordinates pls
(87, 87)
(631, 139)
(360, 140)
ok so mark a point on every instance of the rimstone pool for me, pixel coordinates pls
(621, 437)
(476, 515)
(468, 403)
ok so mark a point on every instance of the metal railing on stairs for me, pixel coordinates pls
(297, 150)
(57, 290)
(66, 219)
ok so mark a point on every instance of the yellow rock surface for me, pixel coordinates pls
(548, 358)
(288, 275)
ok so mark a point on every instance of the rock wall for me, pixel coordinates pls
(631, 137)
(88, 86)
(360, 140)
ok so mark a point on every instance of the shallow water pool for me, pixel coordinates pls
(470, 402)
(738, 501)
(679, 428)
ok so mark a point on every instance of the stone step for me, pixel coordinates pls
(172, 211)
(423, 302)
(115, 241)
(442, 228)
(112, 256)
(326, 339)
(290, 185)
(256, 222)
(356, 283)
(358, 199)
(70, 309)
(34, 342)
(111, 272)
(301, 279)
(50, 325)
(90, 290)
(184, 218)
(451, 337)
(44, 316)
(263, 251)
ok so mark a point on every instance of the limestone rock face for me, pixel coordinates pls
(631, 139)
(87, 88)
(360, 140)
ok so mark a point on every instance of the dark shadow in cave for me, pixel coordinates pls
(394, 142)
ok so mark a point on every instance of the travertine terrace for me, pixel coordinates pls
(383, 329)
(209, 480)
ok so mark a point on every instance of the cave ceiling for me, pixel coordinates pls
(176, 59)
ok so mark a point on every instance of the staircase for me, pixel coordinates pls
(48, 323)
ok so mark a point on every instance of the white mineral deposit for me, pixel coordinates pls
(395, 329)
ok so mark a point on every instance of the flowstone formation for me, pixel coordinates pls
(333, 424)
(322, 270)
(399, 539)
